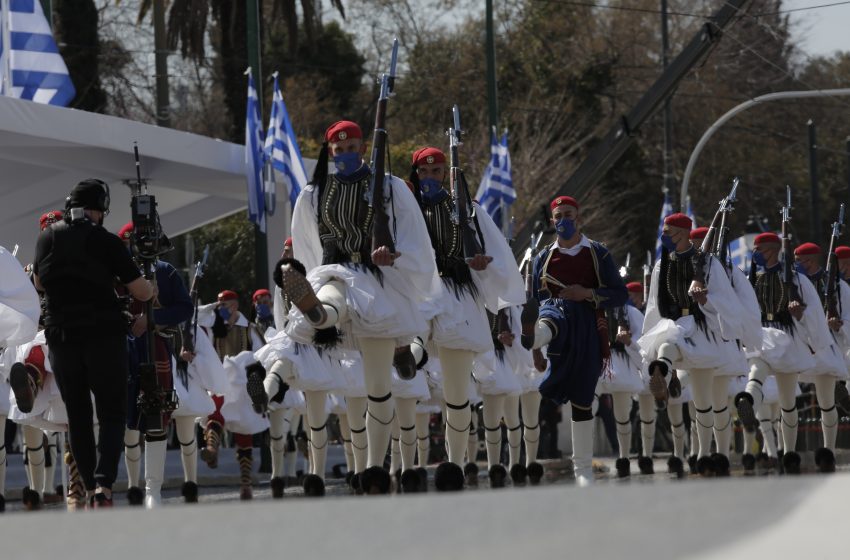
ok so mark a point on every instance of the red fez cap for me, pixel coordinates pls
(258, 294)
(807, 249)
(227, 295)
(428, 155)
(698, 234)
(126, 232)
(767, 237)
(341, 130)
(678, 220)
(50, 217)
(288, 242)
(636, 287)
(564, 200)
(842, 252)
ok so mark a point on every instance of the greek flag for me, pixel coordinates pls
(281, 149)
(32, 67)
(666, 210)
(497, 187)
(741, 251)
(254, 158)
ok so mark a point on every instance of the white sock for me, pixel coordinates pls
(357, 424)
(185, 427)
(406, 416)
(34, 442)
(132, 456)
(646, 412)
(494, 406)
(423, 439)
(530, 403)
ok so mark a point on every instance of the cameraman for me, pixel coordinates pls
(76, 264)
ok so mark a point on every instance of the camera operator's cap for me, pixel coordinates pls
(428, 156)
(564, 200)
(227, 295)
(126, 232)
(91, 194)
(842, 252)
(635, 287)
(50, 217)
(342, 130)
(698, 234)
(807, 249)
(767, 237)
(260, 293)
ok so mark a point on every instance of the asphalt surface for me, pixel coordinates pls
(656, 516)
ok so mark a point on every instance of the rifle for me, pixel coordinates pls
(647, 276)
(722, 248)
(150, 242)
(527, 264)
(787, 252)
(190, 330)
(381, 235)
(709, 244)
(830, 301)
(462, 213)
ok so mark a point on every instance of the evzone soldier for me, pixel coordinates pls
(471, 285)
(794, 329)
(353, 295)
(624, 377)
(19, 314)
(496, 378)
(647, 411)
(576, 280)
(300, 367)
(830, 366)
(235, 340)
(691, 324)
(172, 307)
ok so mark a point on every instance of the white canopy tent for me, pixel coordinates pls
(46, 150)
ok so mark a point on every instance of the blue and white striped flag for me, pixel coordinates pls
(497, 186)
(666, 210)
(254, 158)
(741, 251)
(281, 147)
(33, 69)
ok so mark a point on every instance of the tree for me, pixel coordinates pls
(76, 24)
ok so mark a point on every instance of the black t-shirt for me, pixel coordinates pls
(78, 264)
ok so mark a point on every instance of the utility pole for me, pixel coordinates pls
(163, 105)
(813, 178)
(492, 94)
(261, 257)
(667, 164)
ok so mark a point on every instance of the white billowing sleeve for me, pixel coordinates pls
(750, 311)
(844, 301)
(306, 244)
(723, 308)
(635, 321)
(814, 319)
(652, 314)
(500, 283)
(19, 303)
(417, 262)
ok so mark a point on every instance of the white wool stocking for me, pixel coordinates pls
(317, 419)
(722, 415)
(825, 391)
(34, 442)
(332, 296)
(494, 406)
(406, 412)
(514, 427)
(787, 385)
(50, 470)
(377, 363)
(472, 438)
(278, 428)
(457, 366)
(132, 456)
(423, 439)
(622, 410)
(759, 370)
(357, 424)
(677, 426)
(765, 417)
(647, 414)
(702, 382)
(185, 427)
(531, 424)
(345, 434)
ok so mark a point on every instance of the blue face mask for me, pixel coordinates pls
(432, 191)
(566, 228)
(758, 259)
(348, 162)
(224, 313)
(668, 242)
(800, 269)
(263, 311)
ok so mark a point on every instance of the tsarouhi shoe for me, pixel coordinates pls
(744, 405)
(277, 485)
(470, 473)
(791, 463)
(825, 460)
(645, 465)
(190, 492)
(624, 467)
(297, 288)
(404, 363)
(135, 496)
(748, 460)
(657, 385)
(448, 477)
(519, 474)
(375, 481)
(721, 464)
(314, 486)
(675, 466)
(498, 474)
(705, 467)
(535, 473)
(410, 482)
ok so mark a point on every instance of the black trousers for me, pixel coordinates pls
(85, 365)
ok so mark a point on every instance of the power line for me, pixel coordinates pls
(685, 14)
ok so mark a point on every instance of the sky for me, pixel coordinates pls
(821, 31)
